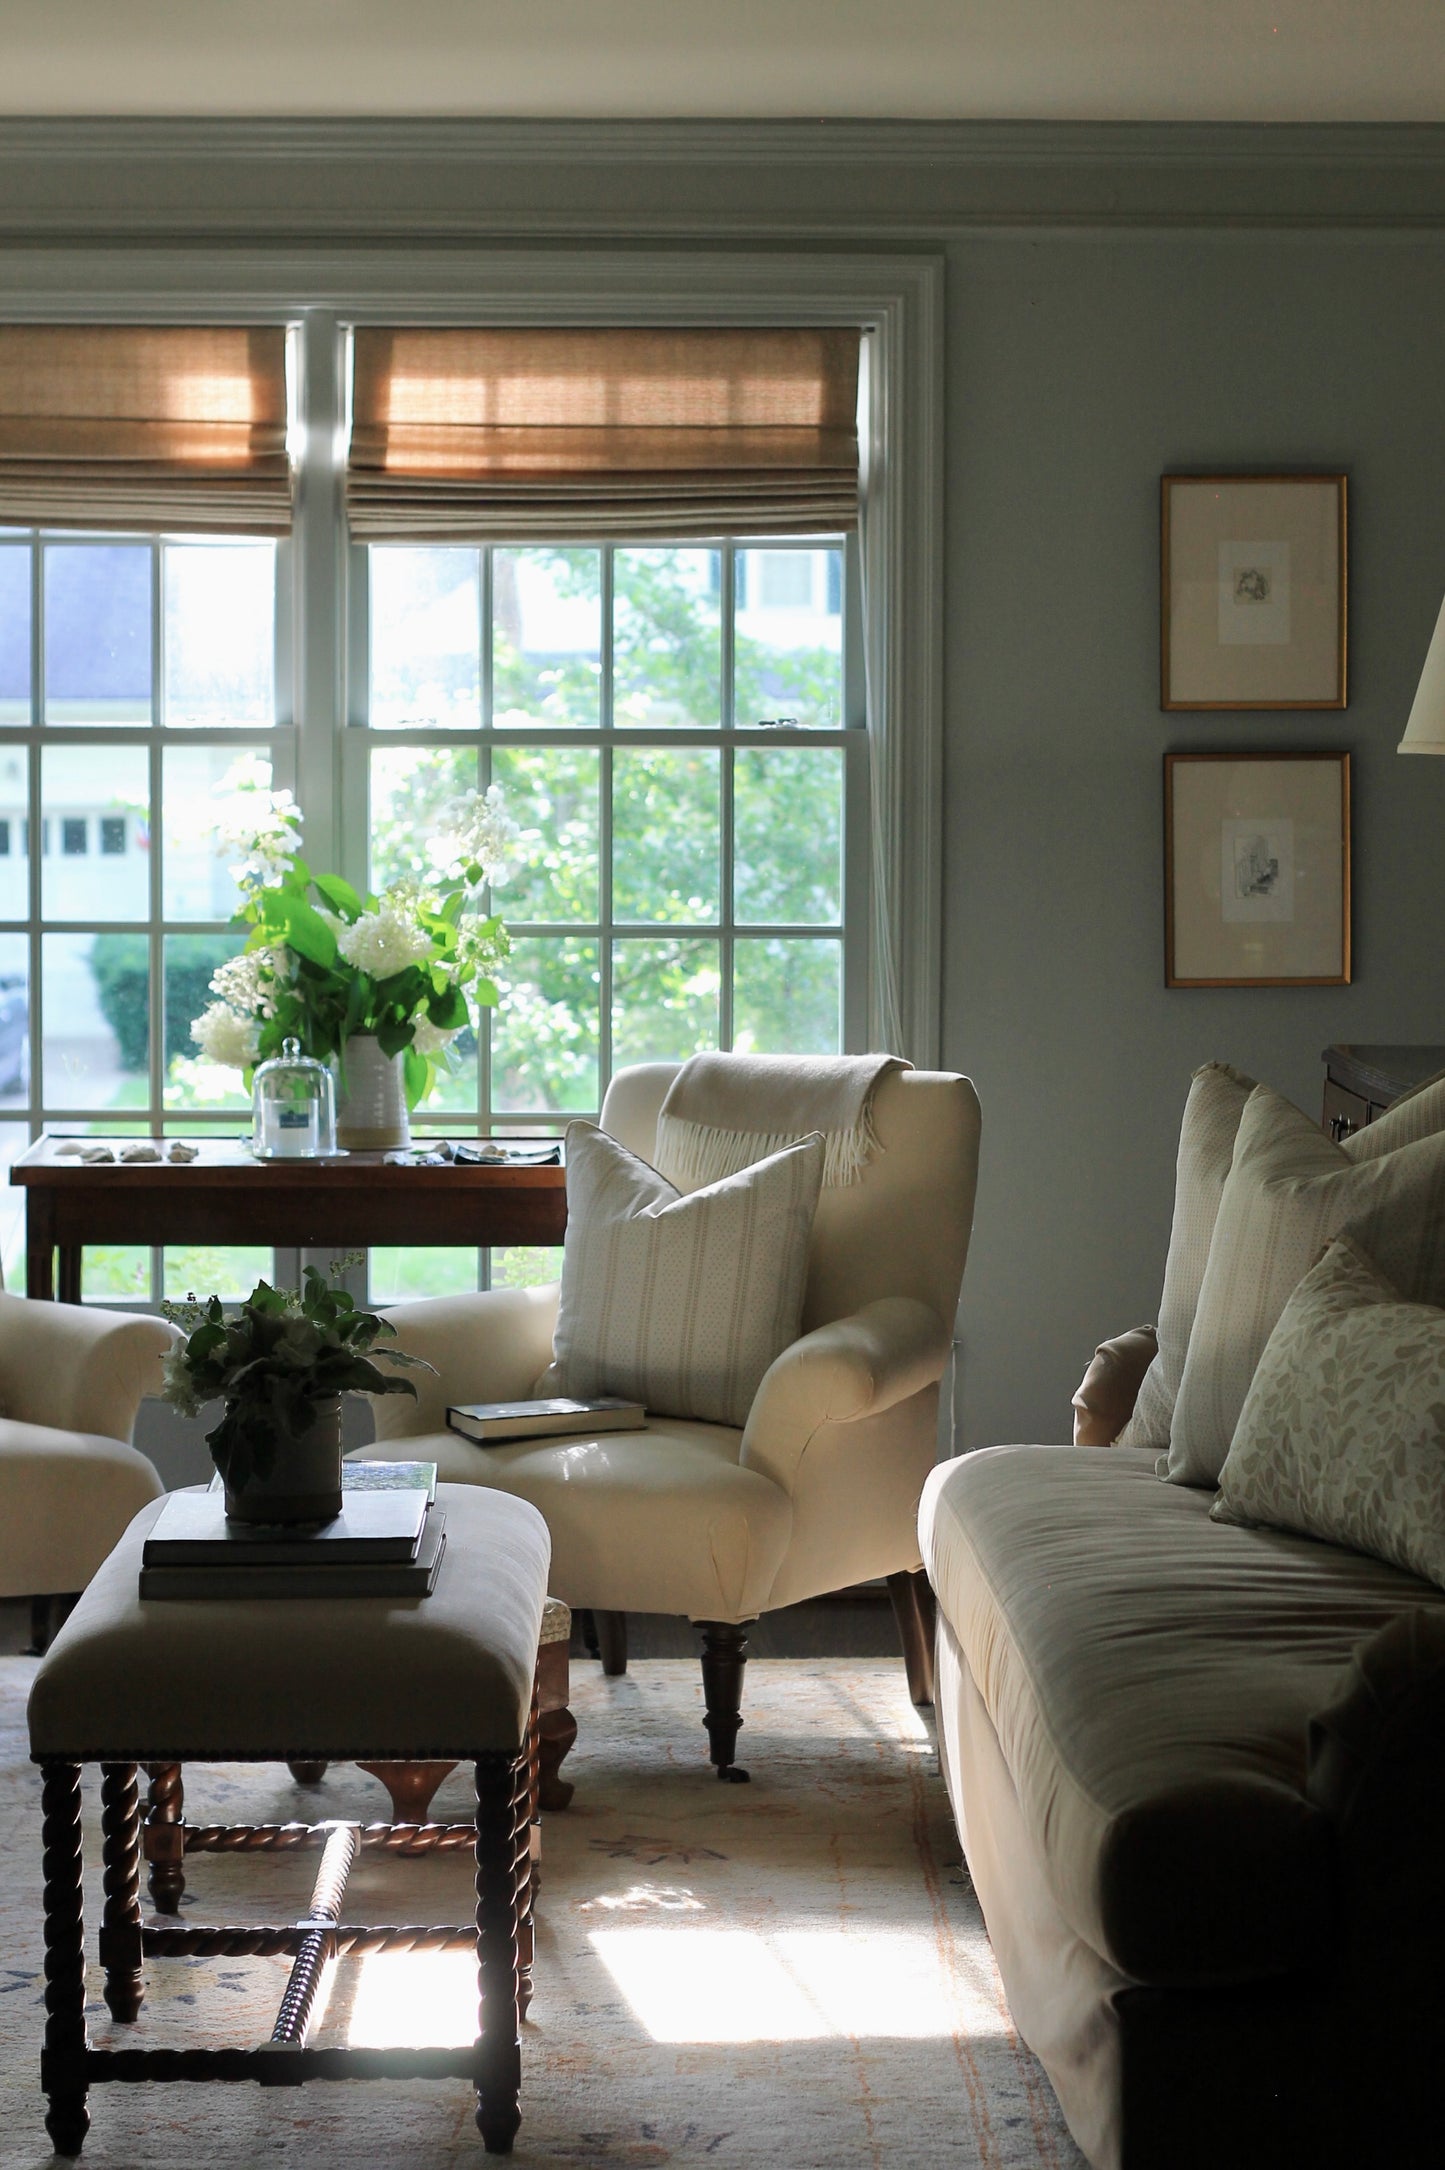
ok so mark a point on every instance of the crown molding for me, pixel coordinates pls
(234, 180)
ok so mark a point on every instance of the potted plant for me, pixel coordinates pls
(280, 1363)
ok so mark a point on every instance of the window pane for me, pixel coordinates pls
(79, 785)
(191, 1081)
(14, 833)
(545, 1034)
(14, 635)
(664, 1000)
(115, 1270)
(787, 997)
(411, 792)
(395, 1274)
(97, 633)
(200, 786)
(667, 638)
(666, 834)
(220, 632)
(552, 796)
(788, 835)
(97, 1020)
(215, 1269)
(426, 638)
(788, 649)
(546, 636)
(525, 1265)
(14, 1020)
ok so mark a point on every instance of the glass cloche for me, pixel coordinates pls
(293, 1107)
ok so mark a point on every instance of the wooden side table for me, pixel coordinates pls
(1361, 1081)
(226, 1195)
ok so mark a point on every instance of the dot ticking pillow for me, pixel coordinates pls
(678, 1302)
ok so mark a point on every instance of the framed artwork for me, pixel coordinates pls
(1256, 869)
(1252, 605)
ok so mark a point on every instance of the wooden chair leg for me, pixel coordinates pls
(48, 1616)
(611, 1630)
(724, 1654)
(164, 1838)
(62, 2062)
(120, 1939)
(913, 1609)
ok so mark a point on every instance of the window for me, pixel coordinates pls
(677, 723)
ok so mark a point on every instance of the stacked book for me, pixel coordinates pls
(387, 1541)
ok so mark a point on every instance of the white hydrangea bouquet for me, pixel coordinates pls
(323, 965)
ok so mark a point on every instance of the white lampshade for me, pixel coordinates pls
(1425, 732)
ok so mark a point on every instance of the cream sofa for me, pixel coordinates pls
(1199, 1773)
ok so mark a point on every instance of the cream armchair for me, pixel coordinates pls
(819, 1489)
(71, 1381)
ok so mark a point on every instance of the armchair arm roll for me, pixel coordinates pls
(489, 1347)
(1110, 1387)
(1377, 1769)
(79, 1370)
(851, 1368)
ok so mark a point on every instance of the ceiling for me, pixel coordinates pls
(1085, 60)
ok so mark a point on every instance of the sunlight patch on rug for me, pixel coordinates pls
(732, 1985)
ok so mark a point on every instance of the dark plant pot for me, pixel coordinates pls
(304, 1483)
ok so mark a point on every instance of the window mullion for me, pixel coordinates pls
(33, 860)
(606, 714)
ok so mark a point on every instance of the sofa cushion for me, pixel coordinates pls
(1289, 1190)
(1212, 1113)
(1151, 1676)
(1342, 1434)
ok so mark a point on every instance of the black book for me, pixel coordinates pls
(305, 1578)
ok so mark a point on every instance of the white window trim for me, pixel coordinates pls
(897, 299)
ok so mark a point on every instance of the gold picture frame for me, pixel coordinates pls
(1257, 869)
(1253, 591)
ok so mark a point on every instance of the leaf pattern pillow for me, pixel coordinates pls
(1342, 1433)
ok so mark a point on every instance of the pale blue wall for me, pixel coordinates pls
(1079, 369)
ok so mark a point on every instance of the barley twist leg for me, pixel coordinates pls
(120, 1942)
(62, 2063)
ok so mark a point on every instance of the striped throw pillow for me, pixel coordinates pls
(679, 1302)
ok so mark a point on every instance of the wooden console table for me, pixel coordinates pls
(227, 1196)
(1361, 1082)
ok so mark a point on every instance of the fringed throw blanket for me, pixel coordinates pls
(723, 1112)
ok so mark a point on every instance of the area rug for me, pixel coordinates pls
(793, 1972)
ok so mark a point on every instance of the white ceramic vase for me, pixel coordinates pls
(371, 1112)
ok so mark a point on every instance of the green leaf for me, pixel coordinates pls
(306, 931)
(417, 1072)
(339, 895)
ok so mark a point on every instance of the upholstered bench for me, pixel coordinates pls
(450, 1676)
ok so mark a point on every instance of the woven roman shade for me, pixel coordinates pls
(145, 426)
(578, 435)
